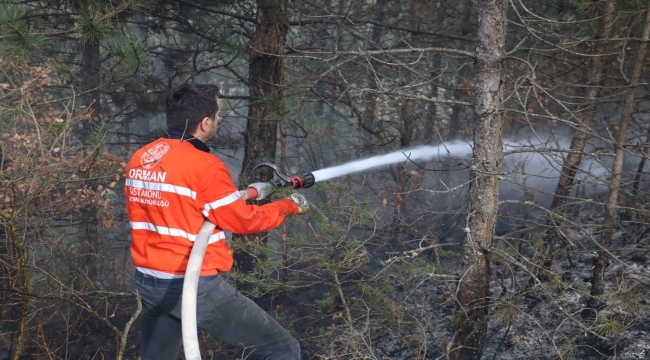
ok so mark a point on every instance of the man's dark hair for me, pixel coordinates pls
(187, 104)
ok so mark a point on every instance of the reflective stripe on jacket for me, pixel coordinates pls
(171, 188)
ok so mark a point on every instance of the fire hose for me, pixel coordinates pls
(258, 190)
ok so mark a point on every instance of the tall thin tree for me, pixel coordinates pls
(611, 207)
(583, 129)
(473, 287)
(266, 80)
(266, 91)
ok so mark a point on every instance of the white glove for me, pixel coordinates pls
(302, 203)
(263, 190)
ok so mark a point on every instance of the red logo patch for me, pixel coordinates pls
(153, 155)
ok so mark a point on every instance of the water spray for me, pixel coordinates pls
(454, 148)
(305, 179)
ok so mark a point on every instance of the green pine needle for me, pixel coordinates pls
(20, 41)
(94, 25)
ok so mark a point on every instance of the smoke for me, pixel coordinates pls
(536, 165)
(533, 164)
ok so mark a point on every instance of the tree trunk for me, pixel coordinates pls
(91, 80)
(433, 127)
(266, 107)
(456, 124)
(572, 160)
(433, 124)
(408, 123)
(631, 199)
(597, 279)
(473, 289)
(370, 97)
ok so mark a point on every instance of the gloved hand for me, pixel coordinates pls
(302, 203)
(263, 190)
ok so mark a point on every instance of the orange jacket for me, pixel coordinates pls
(171, 188)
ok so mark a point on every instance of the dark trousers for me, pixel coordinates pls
(221, 311)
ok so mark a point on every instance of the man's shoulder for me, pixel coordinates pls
(174, 161)
(163, 149)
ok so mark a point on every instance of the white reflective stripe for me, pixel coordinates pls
(180, 190)
(221, 202)
(216, 237)
(158, 274)
(162, 230)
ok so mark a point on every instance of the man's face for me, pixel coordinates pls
(214, 124)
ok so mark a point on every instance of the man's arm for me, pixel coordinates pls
(224, 207)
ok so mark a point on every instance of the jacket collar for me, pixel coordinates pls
(177, 134)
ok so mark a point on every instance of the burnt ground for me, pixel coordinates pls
(408, 312)
(543, 320)
(546, 320)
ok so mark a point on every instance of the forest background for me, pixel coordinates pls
(524, 236)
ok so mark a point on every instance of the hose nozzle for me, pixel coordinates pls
(303, 179)
(262, 188)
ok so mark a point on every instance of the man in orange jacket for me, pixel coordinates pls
(172, 186)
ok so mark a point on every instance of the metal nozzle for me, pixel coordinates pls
(303, 179)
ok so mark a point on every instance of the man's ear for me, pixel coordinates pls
(204, 125)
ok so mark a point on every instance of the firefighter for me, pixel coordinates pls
(172, 186)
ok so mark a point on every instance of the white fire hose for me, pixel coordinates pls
(191, 285)
(193, 272)
(190, 291)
